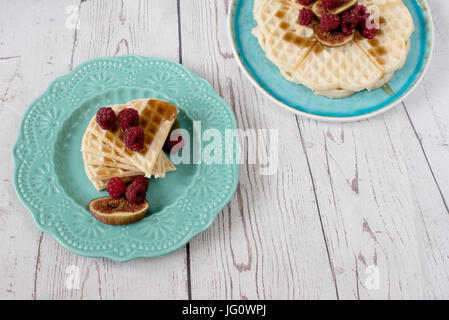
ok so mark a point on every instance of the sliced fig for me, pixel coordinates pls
(318, 7)
(117, 212)
(332, 38)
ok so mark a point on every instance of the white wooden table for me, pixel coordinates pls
(355, 211)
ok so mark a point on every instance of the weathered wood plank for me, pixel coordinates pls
(35, 46)
(109, 28)
(382, 202)
(268, 241)
(428, 106)
(378, 200)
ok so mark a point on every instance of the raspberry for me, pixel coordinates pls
(361, 13)
(134, 138)
(135, 193)
(369, 33)
(329, 4)
(141, 180)
(304, 2)
(106, 118)
(305, 16)
(116, 188)
(348, 23)
(128, 118)
(329, 22)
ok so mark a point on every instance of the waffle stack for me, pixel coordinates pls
(334, 72)
(106, 156)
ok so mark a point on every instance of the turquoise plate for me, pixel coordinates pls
(266, 76)
(49, 173)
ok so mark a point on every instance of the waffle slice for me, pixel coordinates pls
(156, 120)
(164, 163)
(101, 160)
(99, 153)
(390, 48)
(100, 174)
(92, 144)
(336, 93)
(286, 43)
(346, 67)
(96, 172)
(334, 72)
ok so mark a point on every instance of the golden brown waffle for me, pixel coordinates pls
(334, 72)
(92, 144)
(390, 47)
(100, 160)
(346, 67)
(286, 41)
(97, 152)
(156, 119)
(95, 172)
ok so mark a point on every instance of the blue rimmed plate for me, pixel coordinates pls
(266, 76)
(49, 173)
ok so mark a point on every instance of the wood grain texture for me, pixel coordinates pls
(31, 55)
(345, 197)
(377, 197)
(384, 201)
(109, 28)
(268, 242)
(428, 105)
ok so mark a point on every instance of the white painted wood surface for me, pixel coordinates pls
(346, 197)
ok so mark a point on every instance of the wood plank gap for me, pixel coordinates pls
(37, 265)
(75, 37)
(189, 275)
(189, 278)
(179, 31)
(318, 207)
(425, 156)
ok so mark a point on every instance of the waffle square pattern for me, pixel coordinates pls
(334, 72)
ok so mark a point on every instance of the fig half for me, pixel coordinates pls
(117, 212)
(318, 7)
(331, 38)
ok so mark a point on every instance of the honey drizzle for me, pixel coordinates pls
(297, 40)
(284, 25)
(377, 51)
(280, 14)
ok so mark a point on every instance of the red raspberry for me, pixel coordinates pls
(369, 33)
(329, 22)
(329, 4)
(128, 118)
(361, 13)
(305, 16)
(116, 188)
(141, 180)
(134, 138)
(348, 23)
(106, 118)
(304, 2)
(135, 193)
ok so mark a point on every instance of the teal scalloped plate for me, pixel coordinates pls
(267, 78)
(49, 174)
